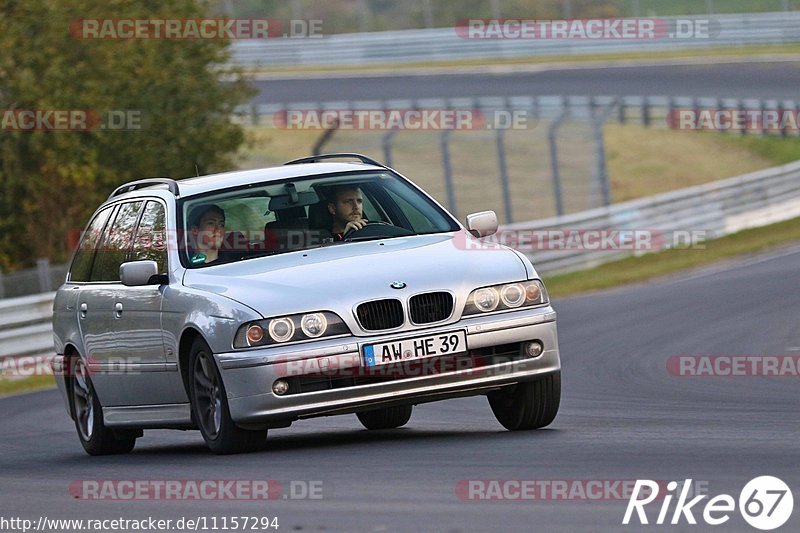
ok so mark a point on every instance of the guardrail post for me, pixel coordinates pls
(552, 134)
(43, 270)
(444, 143)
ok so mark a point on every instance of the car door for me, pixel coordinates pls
(96, 314)
(138, 313)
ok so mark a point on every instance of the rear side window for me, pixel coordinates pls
(82, 262)
(116, 243)
(150, 241)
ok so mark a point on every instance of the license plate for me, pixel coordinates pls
(385, 353)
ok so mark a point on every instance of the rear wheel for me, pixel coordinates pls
(210, 406)
(386, 417)
(527, 405)
(87, 412)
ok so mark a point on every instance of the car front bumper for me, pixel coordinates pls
(249, 376)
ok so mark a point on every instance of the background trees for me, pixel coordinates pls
(50, 181)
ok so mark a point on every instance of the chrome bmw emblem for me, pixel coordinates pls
(398, 285)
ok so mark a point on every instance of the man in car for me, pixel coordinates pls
(346, 209)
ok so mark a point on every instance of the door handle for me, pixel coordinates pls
(118, 310)
(84, 308)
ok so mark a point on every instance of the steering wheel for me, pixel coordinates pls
(375, 228)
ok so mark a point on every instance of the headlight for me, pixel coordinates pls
(313, 325)
(281, 329)
(486, 299)
(292, 328)
(505, 297)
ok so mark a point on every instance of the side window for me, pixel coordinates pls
(150, 241)
(116, 243)
(82, 262)
(420, 223)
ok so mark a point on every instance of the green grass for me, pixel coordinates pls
(8, 386)
(778, 150)
(636, 269)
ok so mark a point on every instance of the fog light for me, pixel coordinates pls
(280, 387)
(533, 349)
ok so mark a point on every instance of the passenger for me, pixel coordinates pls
(207, 227)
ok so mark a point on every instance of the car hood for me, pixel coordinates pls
(338, 277)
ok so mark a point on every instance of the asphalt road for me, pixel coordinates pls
(623, 417)
(726, 80)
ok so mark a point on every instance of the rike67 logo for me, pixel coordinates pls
(765, 503)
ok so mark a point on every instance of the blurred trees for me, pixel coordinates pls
(51, 181)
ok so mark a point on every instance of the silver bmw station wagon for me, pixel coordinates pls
(238, 302)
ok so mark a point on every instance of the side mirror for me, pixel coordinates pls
(482, 224)
(138, 273)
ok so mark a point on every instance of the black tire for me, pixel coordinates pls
(528, 405)
(210, 406)
(87, 413)
(386, 417)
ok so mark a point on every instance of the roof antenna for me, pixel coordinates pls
(196, 170)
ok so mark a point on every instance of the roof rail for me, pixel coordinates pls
(320, 157)
(147, 182)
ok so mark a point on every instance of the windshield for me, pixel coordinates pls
(287, 216)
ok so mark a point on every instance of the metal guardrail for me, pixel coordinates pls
(26, 325)
(716, 209)
(719, 208)
(443, 44)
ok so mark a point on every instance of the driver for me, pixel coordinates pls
(346, 208)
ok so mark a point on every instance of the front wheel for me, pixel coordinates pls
(527, 405)
(386, 417)
(210, 406)
(95, 437)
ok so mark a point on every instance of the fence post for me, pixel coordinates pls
(254, 116)
(2, 285)
(504, 183)
(386, 142)
(601, 168)
(742, 111)
(43, 269)
(646, 112)
(444, 143)
(552, 133)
